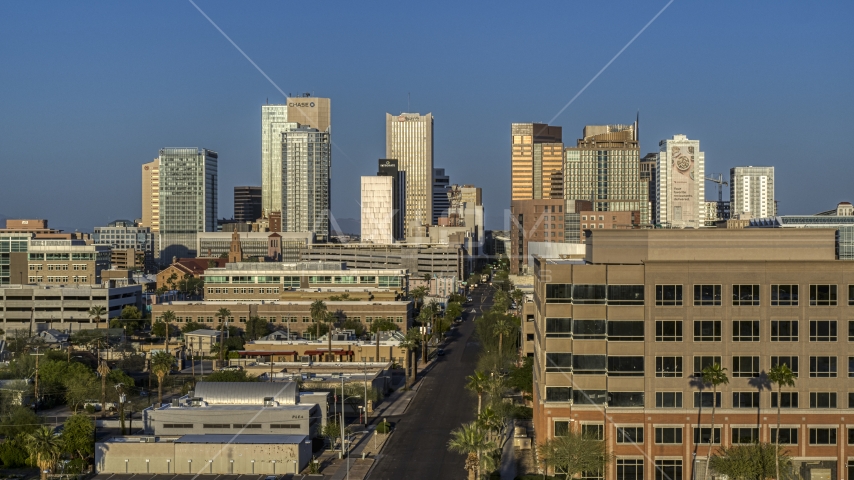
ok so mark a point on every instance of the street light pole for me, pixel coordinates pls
(342, 426)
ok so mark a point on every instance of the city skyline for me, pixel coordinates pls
(746, 109)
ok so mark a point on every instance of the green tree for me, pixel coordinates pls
(417, 294)
(477, 383)
(190, 285)
(381, 325)
(168, 317)
(470, 440)
(331, 319)
(81, 384)
(756, 461)
(331, 431)
(231, 376)
(256, 328)
(12, 453)
(318, 314)
(713, 375)
(316, 330)
(161, 365)
(522, 378)
(357, 327)
(500, 301)
(20, 420)
(78, 436)
(192, 327)
(782, 376)
(223, 314)
(120, 384)
(453, 310)
(410, 345)
(503, 327)
(96, 312)
(518, 296)
(130, 312)
(574, 453)
(43, 448)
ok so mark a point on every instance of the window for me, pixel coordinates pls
(625, 331)
(558, 327)
(704, 399)
(216, 425)
(668, 399)
(668, 469)
(625, 399)
(668, 367)
(745, 399)
(707, 295)
(588, 294)
(822, 367)
(745, 367)
(558, 293)
(850, 294)
(593, 430)
(745, 331)
(850, 366)
(784, 330)
(588, 364)
(246, 425)
(558, 362)
(668, 295)
(561, 428)
(285, 425)
(823, 436)
(745, 295)
(822, 399)
(629, 468)
(625, 294)
(789, 361)
(702, 362)
(788, 400)
(629, 434)
(851, 330)
(589, 397)
(702, 435)
(625, 366)
(183, 425)
(822, 330)
(707, 330)
(668, 330)
(823, 295)
(668, 435)
(589, 329)
(558, 394)
(784, 295)
(788, 436)
(744, 435)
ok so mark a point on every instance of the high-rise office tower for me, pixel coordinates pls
(247, 204)
(680, 180)
(151, 195)
(313, 112)
(536, 161)
(751, 192)
(409, 139)
(306, 177)
(378, 209)
(388, 168)
(188, 199)
(441, 185)
(604, 168)
(647, 174)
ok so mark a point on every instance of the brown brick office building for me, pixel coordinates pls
(618, 338)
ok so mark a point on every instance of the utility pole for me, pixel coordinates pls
(37, 355)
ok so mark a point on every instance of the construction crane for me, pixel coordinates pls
(719, 179)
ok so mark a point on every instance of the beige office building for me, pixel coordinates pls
(536, 161)
(409, 139)
(619, 340)
(151, 195)
(313, 112)
(67, 262)
(378, 210)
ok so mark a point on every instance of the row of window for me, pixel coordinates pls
(232, 425)
(704, 295)
(282, 319)
(749, 399)
(243, 291)
(748, 331)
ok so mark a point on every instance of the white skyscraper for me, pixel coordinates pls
(378, 209)
(680, 177)
(409, 139)
(188, 199)
(306, 177)
(751, 192)
(314, 112)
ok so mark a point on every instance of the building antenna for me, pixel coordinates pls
(408, 100)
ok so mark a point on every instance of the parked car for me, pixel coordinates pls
(440, 352)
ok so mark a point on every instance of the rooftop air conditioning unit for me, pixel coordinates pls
(147, 440)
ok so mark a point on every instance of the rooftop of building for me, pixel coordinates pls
(302, 268)
(213, 438)
(342, 303)
(255, 235)
(204, 332)
(242, 393)
(71, 288)
(197, 266)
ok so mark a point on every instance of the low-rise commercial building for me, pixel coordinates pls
(254, 244)
(418, 259)
(621, 337)
(126, 239)
(66, 262)
(64, 304)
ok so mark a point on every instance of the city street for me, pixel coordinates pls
(418, 448)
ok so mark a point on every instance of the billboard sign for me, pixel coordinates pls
(684, 185)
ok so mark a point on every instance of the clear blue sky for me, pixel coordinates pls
(90, 91)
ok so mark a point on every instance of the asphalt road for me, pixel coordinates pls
(418, 448)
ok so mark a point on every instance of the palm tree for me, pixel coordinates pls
(318, 315)
(412, 340)
(161, 365)
(408, 344)
(424, 317)
(477, 383)
(503, 326)
(418, 294)
(43, 448)
(96, 312)
(470, 440)
(103, 371)
(518, 296)
(715, 375)
(223, 313)
(783, 376)
(330, 319)
(167, 317)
